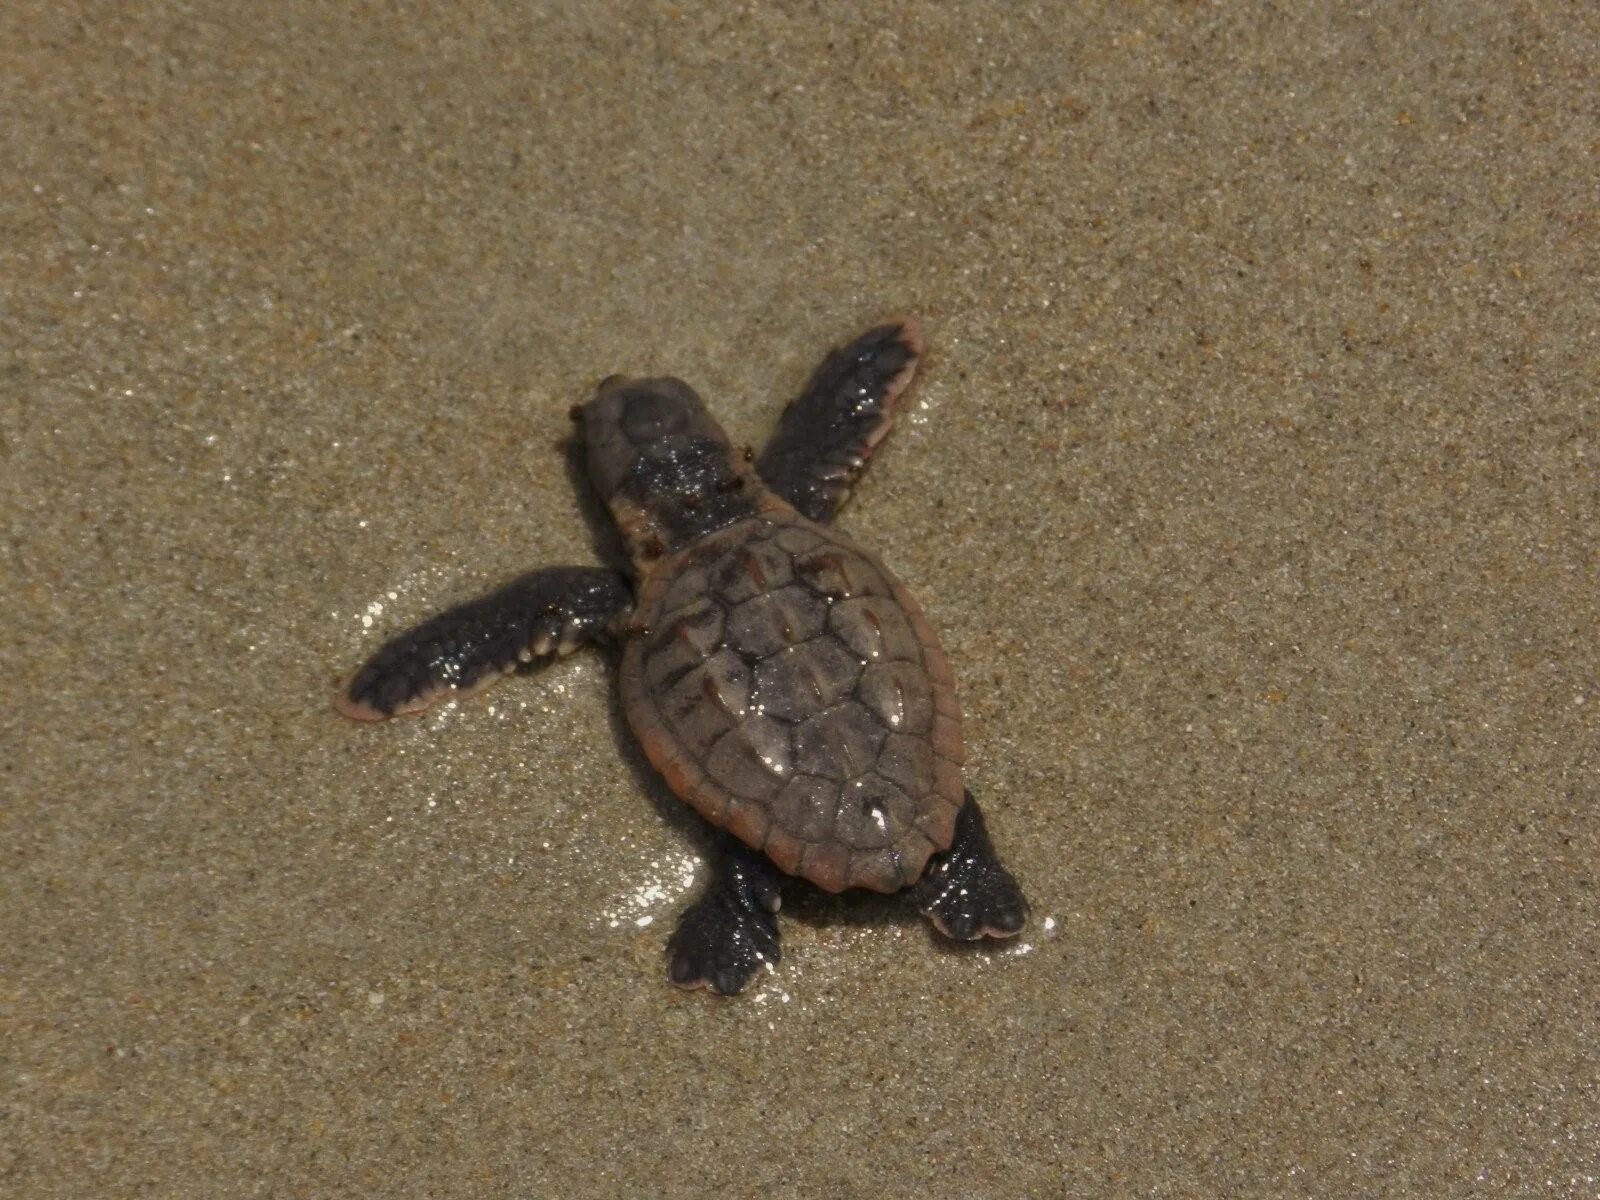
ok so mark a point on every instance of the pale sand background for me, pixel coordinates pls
(1252, 483)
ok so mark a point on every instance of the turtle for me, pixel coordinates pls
(777, 676)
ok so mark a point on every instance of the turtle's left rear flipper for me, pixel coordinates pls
(523, 626)
(731, 931)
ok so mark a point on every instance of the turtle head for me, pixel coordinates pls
(663, 465)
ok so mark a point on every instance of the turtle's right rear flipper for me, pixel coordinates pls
(966, 890)
(523, 626)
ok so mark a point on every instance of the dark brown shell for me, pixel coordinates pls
(788, 687)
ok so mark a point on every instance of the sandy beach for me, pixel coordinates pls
(1250, 481)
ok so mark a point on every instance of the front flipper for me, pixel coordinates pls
(524, 625)
(965, 891)
(826, 435)
(723, 937)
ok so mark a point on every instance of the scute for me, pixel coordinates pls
(701, 625)
(735, 763)
(690, 587)
(899, 694)
(797, 538)
(907, 762)
(774, 621)
(760, 567)
(838, 743)
(874, 627)
(672, 660)
(875, 814)
(806, 807)
(787, 687)
(705, 702)
(834, 575)
(802, 682)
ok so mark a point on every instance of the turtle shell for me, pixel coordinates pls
(788, 687)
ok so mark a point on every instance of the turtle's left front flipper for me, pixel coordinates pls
(523, 626)
(828, 433)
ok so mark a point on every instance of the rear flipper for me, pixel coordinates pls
(725, 936)
(826, 435)
(523, 626)
(965, 891)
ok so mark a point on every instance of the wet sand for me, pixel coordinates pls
(1250, 481)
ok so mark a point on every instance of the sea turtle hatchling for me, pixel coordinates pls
(778, 677)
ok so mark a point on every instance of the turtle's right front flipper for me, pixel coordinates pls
(828, 433)
(524, 625)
